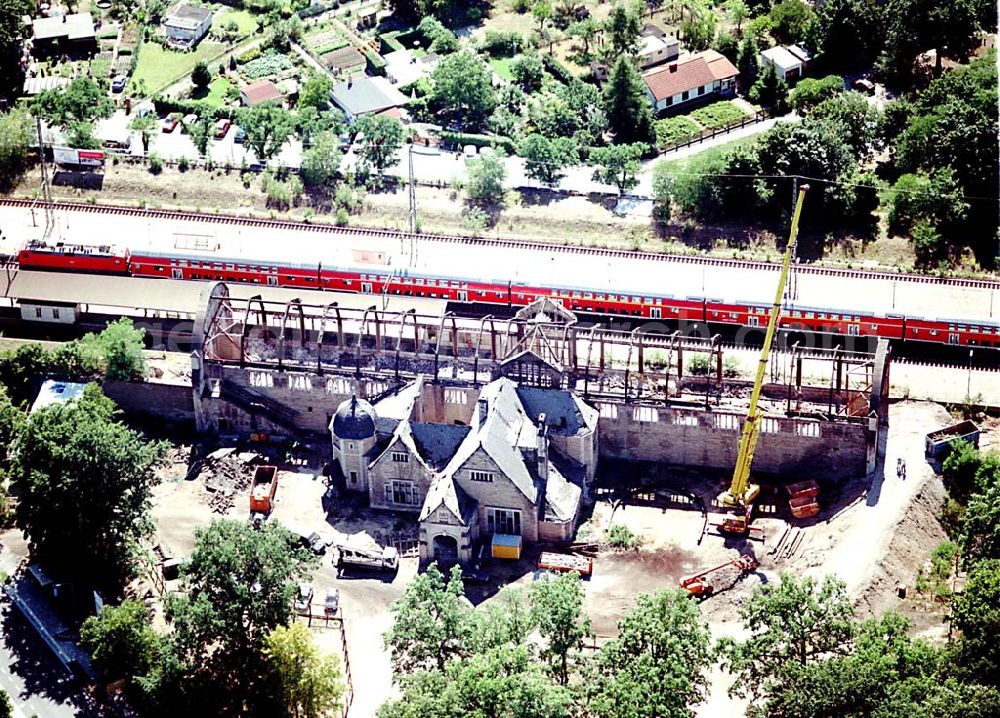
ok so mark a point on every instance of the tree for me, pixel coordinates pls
(626, 105)
(541, 10)
(976, 613)
(239, 586)
(200, 76)
(618, 165)
(699, 30)
(505, 681)
(727, 45)
(747, 62)
(15, 140)
(383, 138)
(147, 127)
(915, 26)
(486, 175)
(121, 640)
(557, 605)
(442, 39)
(431, 624)
(792, 623)
(81, 101)
(121, 347)
(770, 91)
(311, 684)
(929, 247)
(738, 14)
(12, 422)
(545, 159)
(980, 535)
(311, 122)
(663, 192)
(586, 30)
(321, 161)
(267, 125)
(462, 86)
(859, 119)
(967, 470)
(623, 28)
(315, 92)
(85, 482)
(809, 92)
(507, 620)
(655, 667)
(12, 36)
(201, 132)
(849, 33)
(789, 19)
(82, 136)
(934, 198)
(528, 71)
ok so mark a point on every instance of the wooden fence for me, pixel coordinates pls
(758, 116)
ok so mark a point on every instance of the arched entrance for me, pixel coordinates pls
(445, 548)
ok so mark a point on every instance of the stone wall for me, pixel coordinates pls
(695, 437)
(163, 401)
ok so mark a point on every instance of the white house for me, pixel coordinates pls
(707, 75)
(188, 24)
(655, 50)
(788, 62)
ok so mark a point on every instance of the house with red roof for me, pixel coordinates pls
(260, 92)
(702, 76)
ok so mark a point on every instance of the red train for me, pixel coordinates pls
(109, 260)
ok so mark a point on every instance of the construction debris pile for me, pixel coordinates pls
(226, 473)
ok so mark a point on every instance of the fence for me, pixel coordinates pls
(758, 116)
(337, 620)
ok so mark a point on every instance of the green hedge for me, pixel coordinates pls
(376, 63)
(463, 138)
(390, 41)
(557, 69)
(167, 105)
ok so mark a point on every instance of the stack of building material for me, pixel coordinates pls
(802, 499)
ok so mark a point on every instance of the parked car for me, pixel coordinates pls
(470, 150)
(222, 127)
(190, 119)
(332, 602)
(118, 84)
(303, 599)
(241, 136)
(169, 124)
(318, 544)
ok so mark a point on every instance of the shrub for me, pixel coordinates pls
(718, 114)
(460, 139)
(502, 44)
(700, 365)
(155, 163)
(475, 219)
(342, 218)
(730, 367)
(183, 164)
(279, 194)
(675, 130)
(622, 537)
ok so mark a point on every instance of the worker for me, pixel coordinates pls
(899, 467)
(902, 469)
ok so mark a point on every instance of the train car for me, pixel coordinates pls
(225, 270)
(62, 257)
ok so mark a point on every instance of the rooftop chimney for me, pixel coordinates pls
(482, 408)
(542, 448)
(673, 67)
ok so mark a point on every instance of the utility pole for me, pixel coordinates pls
(413, 210)
(793, 288)
(46, 189)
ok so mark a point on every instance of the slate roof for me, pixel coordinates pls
(688, 74)
(78, 26)
(190, 14)
(563, 413)
(444, 491)
(364, 95)
(437, 443)
(562, 490)
(355, 419)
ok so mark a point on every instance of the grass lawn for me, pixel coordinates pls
(718, 114)
(158, 67)
(244, 20)
(216, 96)
(700, 160)
(501, 66)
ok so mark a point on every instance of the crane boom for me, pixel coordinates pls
(741, 492)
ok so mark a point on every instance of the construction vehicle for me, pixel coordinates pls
(262, 489)
(738, 499)
(698, 585)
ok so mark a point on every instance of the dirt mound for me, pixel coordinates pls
(914, 537)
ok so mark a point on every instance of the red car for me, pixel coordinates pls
(168, 124)
(221, 128)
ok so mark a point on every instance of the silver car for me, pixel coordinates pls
(332, 603)
(303, 599)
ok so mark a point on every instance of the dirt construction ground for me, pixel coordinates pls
(873, 537)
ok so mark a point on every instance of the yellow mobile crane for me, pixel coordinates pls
(741, 494)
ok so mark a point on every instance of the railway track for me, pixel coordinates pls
(260, 222)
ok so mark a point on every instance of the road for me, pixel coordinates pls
(430, 165)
